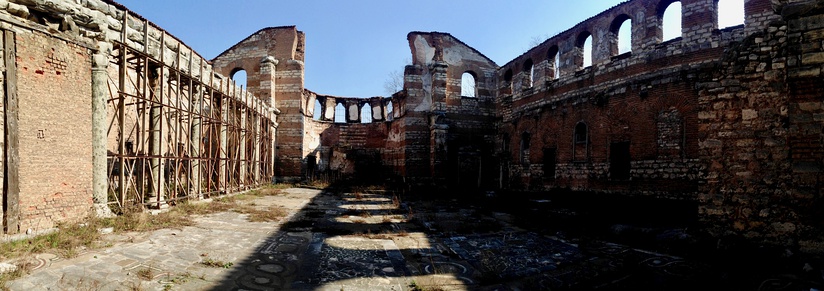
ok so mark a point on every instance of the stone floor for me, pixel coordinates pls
(363, 240)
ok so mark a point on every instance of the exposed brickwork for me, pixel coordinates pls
(54, 86)
(286, 45)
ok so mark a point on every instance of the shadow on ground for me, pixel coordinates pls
(366, 238)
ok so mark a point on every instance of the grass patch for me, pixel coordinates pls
(145, 274)
(209, 262)
(70, 239)
(272, 213)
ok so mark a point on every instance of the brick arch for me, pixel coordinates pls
(618, 22)
(552, 68)
(662, 7)
(580, 41)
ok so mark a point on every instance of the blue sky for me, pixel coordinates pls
(353, 46)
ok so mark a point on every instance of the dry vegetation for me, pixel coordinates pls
(70, 239)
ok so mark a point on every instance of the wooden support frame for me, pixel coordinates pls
(11, 181)
(182, 150)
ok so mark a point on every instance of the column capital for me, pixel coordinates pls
(269, 60)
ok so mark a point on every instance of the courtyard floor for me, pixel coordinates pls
(362, 240)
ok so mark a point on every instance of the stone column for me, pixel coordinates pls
(100, 62)
(195, 140)
(158, 179)
(273, 130)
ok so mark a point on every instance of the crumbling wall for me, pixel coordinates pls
(627, 123)
(447, 137)
(349, 149)
(762, 133)
(284, 87)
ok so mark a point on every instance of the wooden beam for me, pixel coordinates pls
(12, 177)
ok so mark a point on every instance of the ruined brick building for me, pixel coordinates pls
(730, 120)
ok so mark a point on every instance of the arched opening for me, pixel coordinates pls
(671, 20)
(366, 113)
(340, 113)
(469, 87)
(318, 111)
(529, 73)
(584, 45)
(390, 112)
(525, 141)
(508, 78)
(239, 76)
(580, 132)
(730, 13)
(554, 60)
(621, 29)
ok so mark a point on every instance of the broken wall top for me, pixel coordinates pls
(429, 47)
(99, 25)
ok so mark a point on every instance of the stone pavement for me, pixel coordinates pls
(364, 240)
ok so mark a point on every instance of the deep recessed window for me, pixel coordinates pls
(671, 21)
(621, 29)
(469, 87)
(584, 45)
(529, 73)
(554, 60)
(581, 133)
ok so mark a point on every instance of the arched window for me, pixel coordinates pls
(525, 141)
(366, 113)
(554, 60)
(671, 20)
(730, 13)
(584, 45)
(390, 112)
(318, 111)
(469, 87)
(621, 29)
(340, 113)
(580, 133)
(239, 76)
(529, 73)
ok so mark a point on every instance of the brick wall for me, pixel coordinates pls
(285, 44)
(54, 89)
